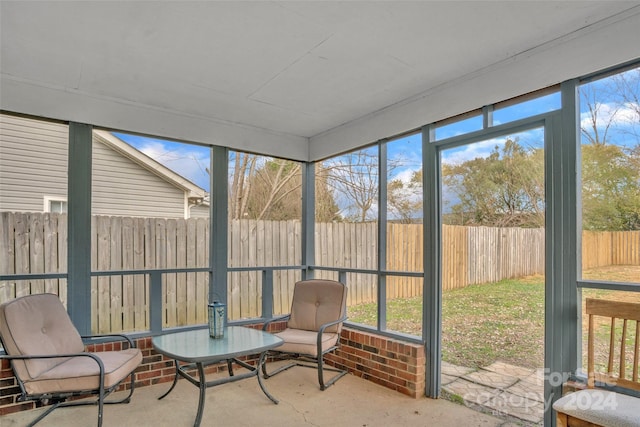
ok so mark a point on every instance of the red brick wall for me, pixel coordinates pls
(391, 363)
(9, 391)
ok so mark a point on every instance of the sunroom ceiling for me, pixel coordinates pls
(299, 79)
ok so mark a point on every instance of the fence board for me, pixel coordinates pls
(202, 257)
(36, 256)
(60, 242)
(234, 278)
(244, 261)
(103, 290)
(160, 260)
(22, 253)
(181, 278)
(254, 291)
(170, 278)
(149, 262)
(128, 255)
(190, 293)
(7, 245)
(245, 285)
(115, 258)
(139, 282)
(50, 251)
(293, 241)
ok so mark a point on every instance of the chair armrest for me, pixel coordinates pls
(110, 338)
(275, 319)
(334, 322)
(325, 326)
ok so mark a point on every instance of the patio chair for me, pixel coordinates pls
(49, 359)
(313, 328)
(608, 399)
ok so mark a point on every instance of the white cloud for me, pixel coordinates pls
(153, 149)
(528, 139)
(405, 175)
(179, 158)
(611, 114)
(459, 155)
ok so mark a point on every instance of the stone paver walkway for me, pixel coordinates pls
(513, 392)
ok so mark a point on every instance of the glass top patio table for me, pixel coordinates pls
(197, 349)
(197, 346)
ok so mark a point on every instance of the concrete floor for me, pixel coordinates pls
(351, 402)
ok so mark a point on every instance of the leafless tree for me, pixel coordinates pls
(244, 165)
(271, 188)
(354, 179)
(600, 116)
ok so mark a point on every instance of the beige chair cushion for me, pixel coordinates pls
(37, 325)
(82, 373)
(305, 342)
(316, 302)
(601, 407)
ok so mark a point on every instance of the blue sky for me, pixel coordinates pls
(187, 160)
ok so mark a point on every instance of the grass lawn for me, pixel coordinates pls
(495, 321)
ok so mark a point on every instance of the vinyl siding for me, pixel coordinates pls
(201, 211)
(33, 162)
(122, 187)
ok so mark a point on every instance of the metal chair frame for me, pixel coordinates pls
(318, 360)
(59, 400)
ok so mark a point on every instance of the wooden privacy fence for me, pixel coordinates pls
(36, 243)
(33, 243)
(124, 243)
(604, 248)
(349, 245)
(261, 244)
(475, 255)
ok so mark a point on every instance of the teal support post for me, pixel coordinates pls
(79, 226)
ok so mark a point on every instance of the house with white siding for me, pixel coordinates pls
(125, 181)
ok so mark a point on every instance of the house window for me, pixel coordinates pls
(55, 205)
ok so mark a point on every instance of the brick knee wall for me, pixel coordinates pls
(392, 363)
(389, 362)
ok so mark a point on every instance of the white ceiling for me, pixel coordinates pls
(298, 79)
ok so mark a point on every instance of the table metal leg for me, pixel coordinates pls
(175, 381)
(230, 367)
(202, 384)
